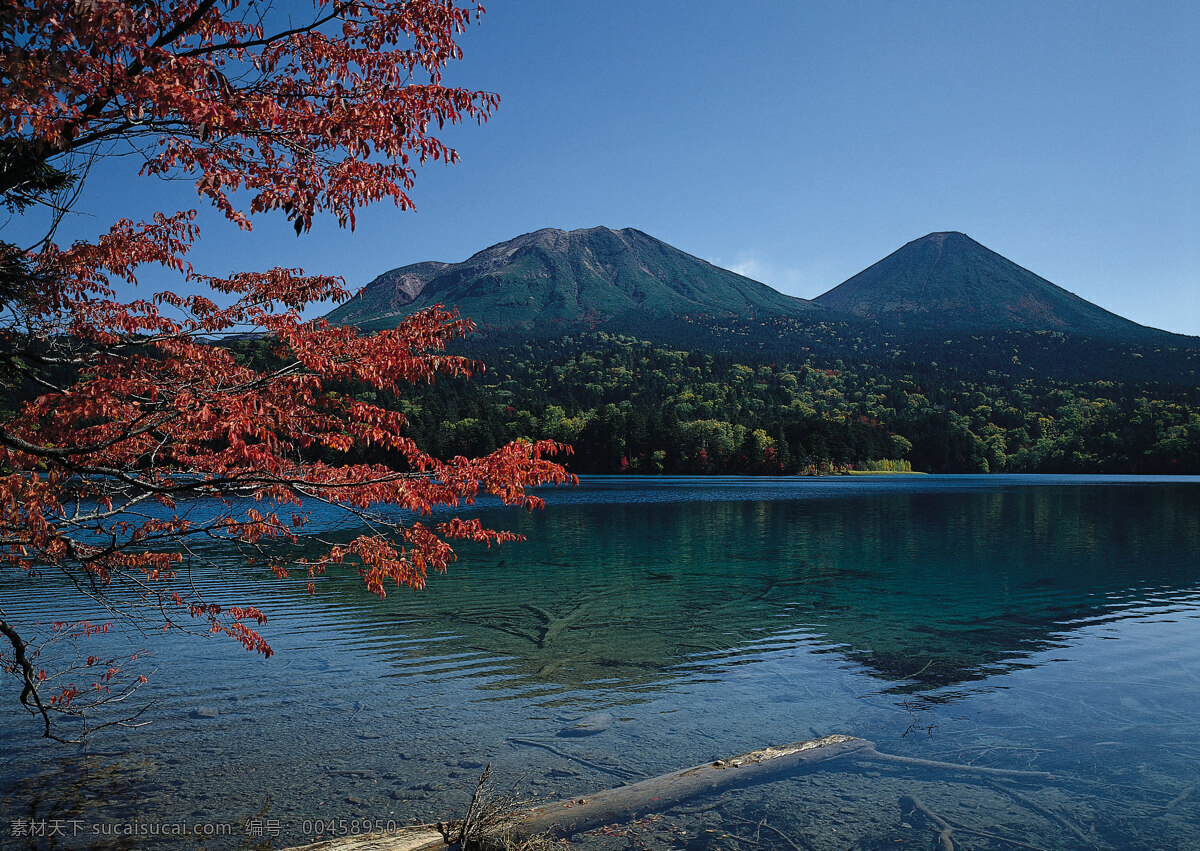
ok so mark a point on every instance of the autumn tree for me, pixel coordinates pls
(134, 411)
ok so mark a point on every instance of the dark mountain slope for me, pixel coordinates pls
(949, 282)
(559, 280)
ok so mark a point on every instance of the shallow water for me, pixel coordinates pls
(1046, 624)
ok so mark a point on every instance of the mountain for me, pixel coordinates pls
(949, 282)
(565, 280)
(649, 360)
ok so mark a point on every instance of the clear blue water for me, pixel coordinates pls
(1025, 623)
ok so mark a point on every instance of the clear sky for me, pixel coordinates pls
(800, 142)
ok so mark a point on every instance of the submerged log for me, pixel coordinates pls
(626, 803)
(623, 804)
(422, 837)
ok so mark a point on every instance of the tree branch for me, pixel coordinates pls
(29, 692)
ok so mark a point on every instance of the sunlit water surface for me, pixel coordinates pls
(1044, 624)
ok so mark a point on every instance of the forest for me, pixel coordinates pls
(629, 405)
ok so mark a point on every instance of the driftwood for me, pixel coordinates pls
(626, 803)
(421, 837)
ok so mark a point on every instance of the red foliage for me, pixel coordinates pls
(325, 117)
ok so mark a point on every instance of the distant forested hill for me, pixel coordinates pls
(630, 405)
(949, 282)
(944, 356)
(553, 281)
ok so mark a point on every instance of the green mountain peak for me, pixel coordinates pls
(948, 281)
(568, 279)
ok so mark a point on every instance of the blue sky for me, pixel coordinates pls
(799, 142)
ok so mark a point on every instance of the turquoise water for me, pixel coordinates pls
(1043, 624)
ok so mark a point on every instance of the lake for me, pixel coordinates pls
(1026, 623)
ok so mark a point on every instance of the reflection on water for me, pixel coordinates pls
(925, 586)
(1021, 622)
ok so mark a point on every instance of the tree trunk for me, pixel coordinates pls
(625, 803)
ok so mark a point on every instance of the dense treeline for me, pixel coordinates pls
(770, 398)
(629, 405)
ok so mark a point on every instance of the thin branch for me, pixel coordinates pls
(265, 40)
(29, 678)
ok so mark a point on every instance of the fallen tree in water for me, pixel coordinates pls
(626, 803)
(522, 828)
